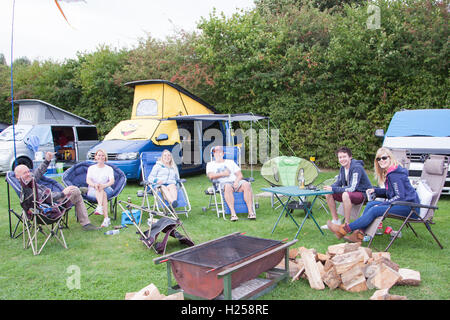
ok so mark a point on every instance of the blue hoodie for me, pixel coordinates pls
(398, 187)
(357, 176)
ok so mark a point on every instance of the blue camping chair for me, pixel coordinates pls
(214, 192)
(76, 176)
(11, 181)
(160, 205)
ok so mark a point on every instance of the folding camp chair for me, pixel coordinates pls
(160, 205)
(11, 181)
(285, 171)
(432, 181)
(76, 176)
(41, 215)
(215, 192)
(167, 224)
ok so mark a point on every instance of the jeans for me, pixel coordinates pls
(375, 209)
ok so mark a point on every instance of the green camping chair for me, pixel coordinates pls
(285, 171)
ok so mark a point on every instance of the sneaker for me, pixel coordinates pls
(106, 223)
(89, 227)
(98, 211)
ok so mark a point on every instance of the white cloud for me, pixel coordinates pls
(40, 31)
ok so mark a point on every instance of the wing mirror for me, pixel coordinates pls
(162, 137)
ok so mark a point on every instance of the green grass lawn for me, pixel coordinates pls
(111, 266)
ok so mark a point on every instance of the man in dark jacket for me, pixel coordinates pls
(23, 173)
(350, 187)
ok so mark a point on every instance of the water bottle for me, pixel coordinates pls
(301, 179)
(112, 232)
(380, 229)
(51, 167)
(398, 233)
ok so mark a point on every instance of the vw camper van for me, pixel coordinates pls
(52, 129)
(421, 132)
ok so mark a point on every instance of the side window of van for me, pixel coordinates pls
(147, 107)
(87, 133)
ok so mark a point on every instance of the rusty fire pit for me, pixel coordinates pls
(230, 264)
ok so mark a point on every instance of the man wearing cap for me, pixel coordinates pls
(229, 176)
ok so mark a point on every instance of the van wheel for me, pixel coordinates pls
(24, 161)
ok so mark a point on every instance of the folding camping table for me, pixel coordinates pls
(295, 192)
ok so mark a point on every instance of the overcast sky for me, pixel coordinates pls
(40, 31)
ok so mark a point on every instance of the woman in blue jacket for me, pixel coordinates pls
(397, 187)
(165, 174)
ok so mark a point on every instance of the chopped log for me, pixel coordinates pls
(336, 249)
(353, 280)
(366, 252)
(175, 296)
(332, 279)
(383, 294)
(349, 247)
(293, 253)
(385, 278)
(328, 265)
(391, 264)
(150, 292)
(370, 270)
(298, 274)
(320, 268)
(323, 257)
(312, 272)
(346, 261)
(378, 255)
(408, 277)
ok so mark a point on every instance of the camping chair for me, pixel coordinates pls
(167, 224)
(284, 171)
(41, 215)
(429, 190)
(215, 192)
(11, 181)
(160, 205)
(76, 176)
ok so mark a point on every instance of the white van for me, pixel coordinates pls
(421, 132)
(54, 129)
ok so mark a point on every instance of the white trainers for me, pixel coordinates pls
(106, 222)
(98, 211)
(325, 227)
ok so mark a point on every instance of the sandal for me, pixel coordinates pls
(252, 216)
(234, 218)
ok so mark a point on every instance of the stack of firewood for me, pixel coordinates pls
(350, 267)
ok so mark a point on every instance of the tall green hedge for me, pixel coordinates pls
(324, 77)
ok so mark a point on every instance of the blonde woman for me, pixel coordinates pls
(100, 178)
(397, 188)
(165, 174)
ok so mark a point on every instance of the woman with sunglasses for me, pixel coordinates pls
(397, 187)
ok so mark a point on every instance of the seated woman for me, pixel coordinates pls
(397, 188)
(165, 175)
(100, 178)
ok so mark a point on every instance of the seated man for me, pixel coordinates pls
(229, 176)
(350, 187)
(74, 194)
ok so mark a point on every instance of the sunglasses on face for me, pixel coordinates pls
(384, 158)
